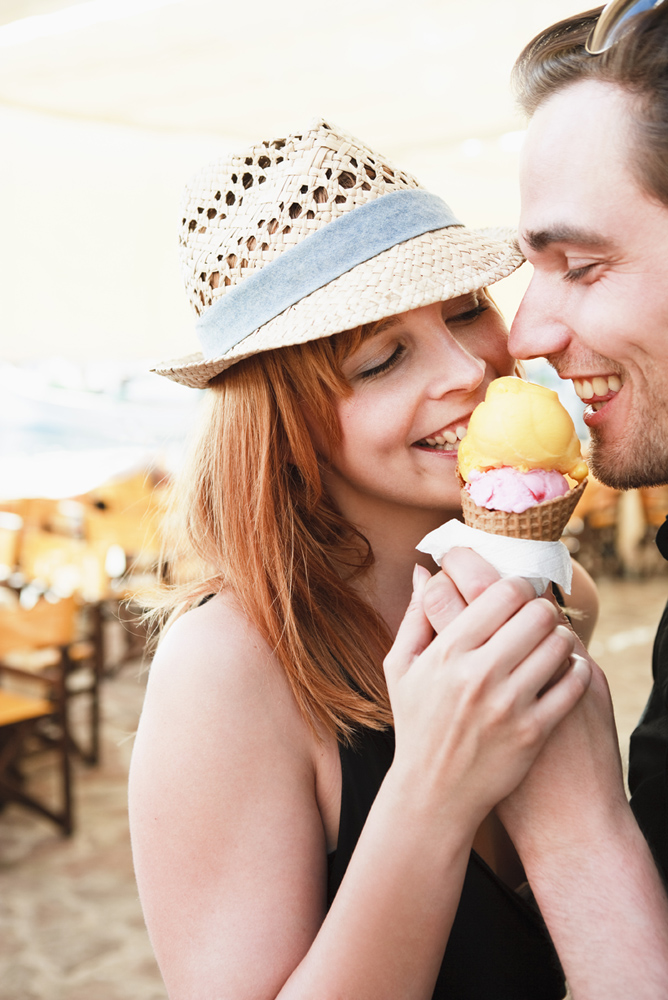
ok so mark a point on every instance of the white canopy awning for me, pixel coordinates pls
(107, 105)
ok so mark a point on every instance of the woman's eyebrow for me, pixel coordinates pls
(541, 239)
(387, 324)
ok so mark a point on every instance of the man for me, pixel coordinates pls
(594, 224)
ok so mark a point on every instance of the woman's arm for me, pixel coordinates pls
(228, 839)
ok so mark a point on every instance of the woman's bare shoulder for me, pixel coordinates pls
(203, 628)
(213, 666)
(214, 645)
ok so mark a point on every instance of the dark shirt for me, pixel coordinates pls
(498, 946)
(648, 753)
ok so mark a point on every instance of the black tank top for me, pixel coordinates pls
(498, 948)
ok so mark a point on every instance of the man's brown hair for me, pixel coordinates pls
(637, 63)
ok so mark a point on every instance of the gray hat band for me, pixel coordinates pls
(319, 258)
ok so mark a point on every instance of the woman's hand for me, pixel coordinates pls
(468, 717)
(583, 745)
(582, 750)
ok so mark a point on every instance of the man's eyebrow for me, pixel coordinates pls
(540, 239)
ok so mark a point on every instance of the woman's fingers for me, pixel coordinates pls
(555, 704)
(543, 666)
(414, 634)
(469, 572)
(504, 616)
(475, 703)
(442, 601)
(482, 619)
(535, 625)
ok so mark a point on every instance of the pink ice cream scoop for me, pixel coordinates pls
(513, 491)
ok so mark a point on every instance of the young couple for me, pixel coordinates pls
(356, 777)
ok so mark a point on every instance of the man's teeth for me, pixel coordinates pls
(449, 439)
(599, 386)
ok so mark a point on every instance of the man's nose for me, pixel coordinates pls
(538, 330)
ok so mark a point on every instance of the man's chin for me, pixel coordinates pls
(620, 471)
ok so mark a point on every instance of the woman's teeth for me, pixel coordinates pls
(600, 385)
(448, 440)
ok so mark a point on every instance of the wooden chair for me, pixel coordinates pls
(25, 719)
(43, 644)
(126, 515)
(591, 533)
(655, 504)
(37, 512)
(135, 530)
(11, 526)
(598, 505)
(64, 565)
(69, 566)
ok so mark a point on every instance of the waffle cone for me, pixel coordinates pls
(545, 522)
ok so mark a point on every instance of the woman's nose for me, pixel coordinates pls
(456, 368)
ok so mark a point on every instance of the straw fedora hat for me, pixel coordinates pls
(306, 236)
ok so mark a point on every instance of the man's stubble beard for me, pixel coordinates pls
(639, 460)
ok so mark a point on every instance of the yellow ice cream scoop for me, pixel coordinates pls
(523, 425)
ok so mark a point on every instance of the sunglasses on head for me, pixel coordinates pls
(613, 22)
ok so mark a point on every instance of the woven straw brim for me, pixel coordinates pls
(430, 268)
(544, 523)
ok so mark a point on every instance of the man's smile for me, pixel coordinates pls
(597, 390)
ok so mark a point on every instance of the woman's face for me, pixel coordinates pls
(414, 385)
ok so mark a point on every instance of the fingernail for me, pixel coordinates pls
(566, 632)
(420, 577)
(580, 666)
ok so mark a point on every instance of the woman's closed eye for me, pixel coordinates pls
(471, 314)
(386, 365)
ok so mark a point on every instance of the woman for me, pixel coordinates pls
(283, 847)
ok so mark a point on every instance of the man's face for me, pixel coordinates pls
(597, 304)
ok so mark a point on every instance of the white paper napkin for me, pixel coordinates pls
(539, 562)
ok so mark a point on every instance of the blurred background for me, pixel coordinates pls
(106, 107)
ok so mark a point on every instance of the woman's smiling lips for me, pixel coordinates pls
(446, 439)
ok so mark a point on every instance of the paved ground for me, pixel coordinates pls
(70, 923)
(622, 644)
(71, 927)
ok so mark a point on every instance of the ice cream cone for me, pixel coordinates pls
(543, 522)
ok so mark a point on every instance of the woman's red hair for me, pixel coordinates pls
(250, 515)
